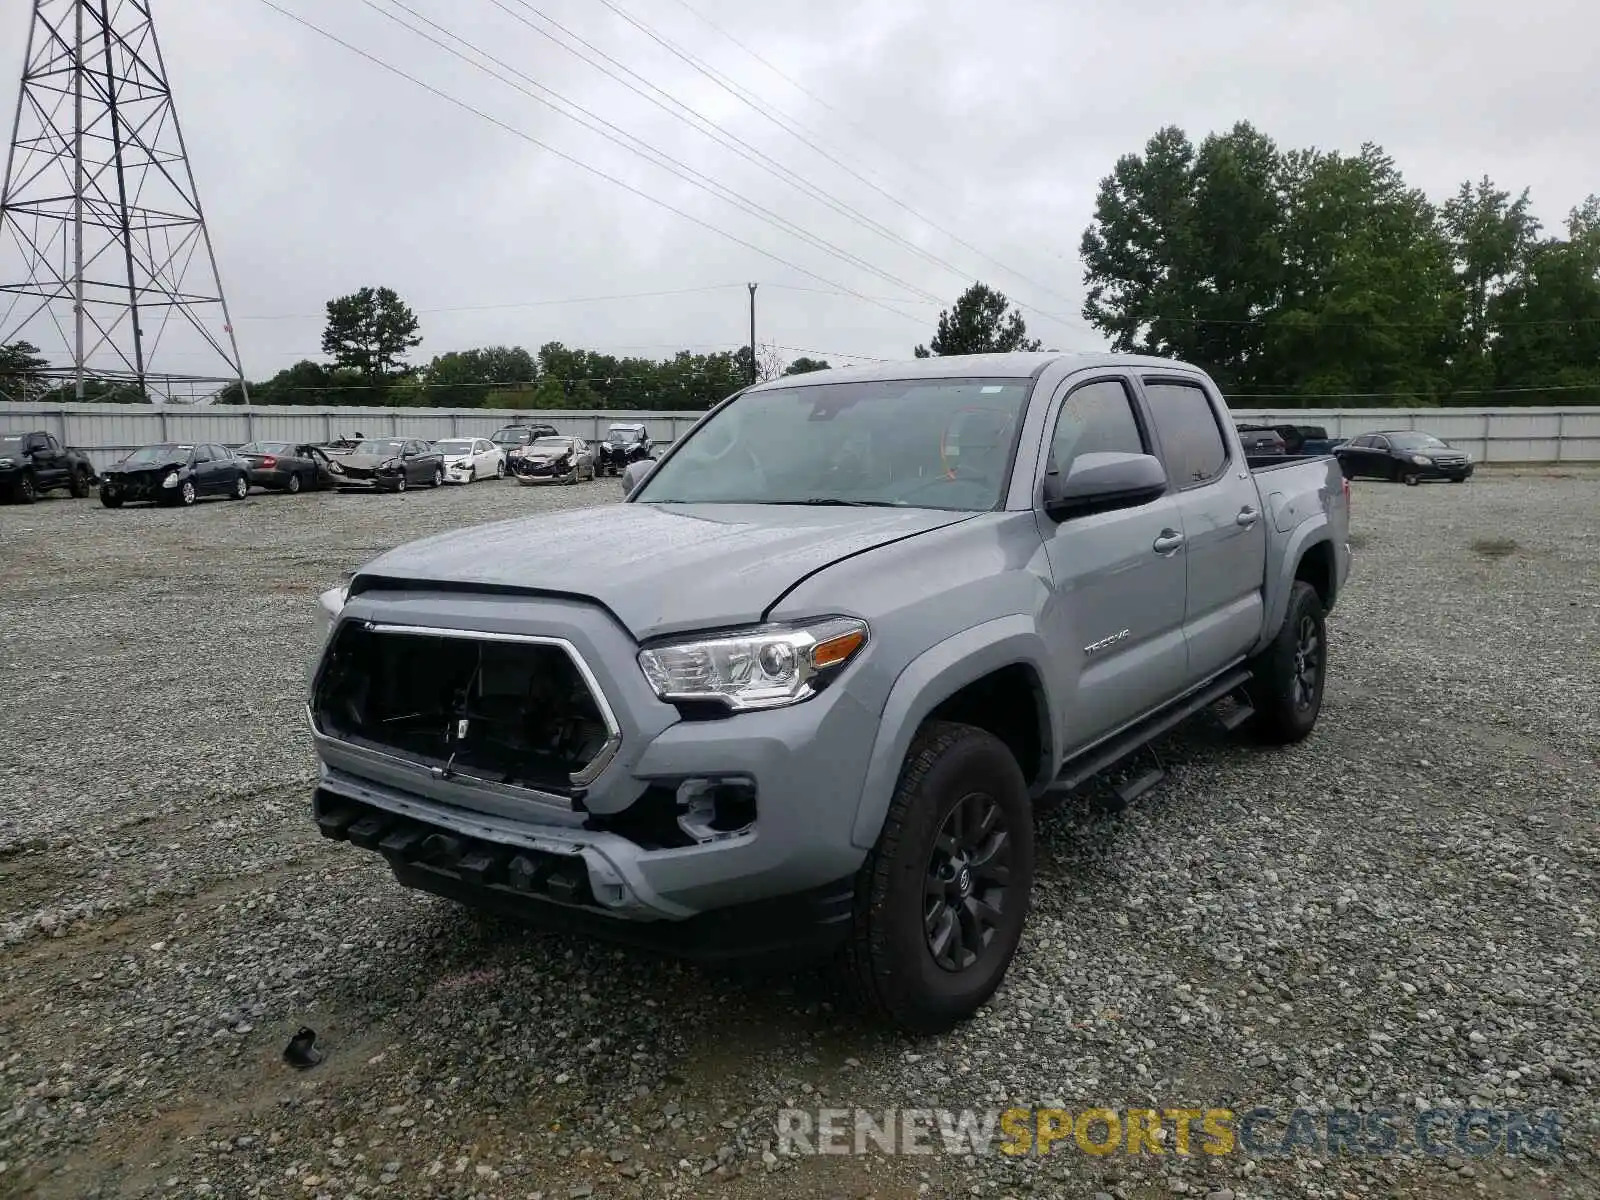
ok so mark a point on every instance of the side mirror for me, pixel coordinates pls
(633, 475)
(1103, 482)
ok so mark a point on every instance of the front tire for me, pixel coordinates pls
(187, 494)
(500, 469)
(26, 491)
(294, 483)
(400, 484)
(942, 898)
(1412, 479)
(1288, 676)
(109, 500)
(79, 487)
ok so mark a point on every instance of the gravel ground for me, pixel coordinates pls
(1400, 912)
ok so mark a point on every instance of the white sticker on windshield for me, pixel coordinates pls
(991, 390)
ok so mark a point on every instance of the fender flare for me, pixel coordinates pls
(1311, 532)
(927, 681)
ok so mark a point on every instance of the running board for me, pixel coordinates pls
(1079, 771)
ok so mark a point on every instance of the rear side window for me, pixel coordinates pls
(1095, 418)
(1186, 423)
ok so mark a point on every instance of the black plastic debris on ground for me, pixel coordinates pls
(302, 1049)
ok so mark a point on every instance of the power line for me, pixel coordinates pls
(642, 149)
(800, 87)
(738, 93)
(577, 162)
(717, 133)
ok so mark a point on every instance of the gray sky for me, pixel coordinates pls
(321, 172)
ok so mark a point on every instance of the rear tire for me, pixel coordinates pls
(80, 485)
(1288, 676)
(930, 878)
(438, 477)
(241, 487)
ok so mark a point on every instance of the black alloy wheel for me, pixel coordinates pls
(967, 880)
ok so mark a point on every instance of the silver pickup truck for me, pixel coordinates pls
(805, 689)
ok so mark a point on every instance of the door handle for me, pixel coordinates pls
(1168, 542)
(1247, 517)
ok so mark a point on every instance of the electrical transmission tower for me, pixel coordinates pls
(102, 237)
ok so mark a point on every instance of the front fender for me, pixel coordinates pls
(926, 682)
(1310, 532)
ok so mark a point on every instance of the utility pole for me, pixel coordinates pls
(752, 333)
(100, 218)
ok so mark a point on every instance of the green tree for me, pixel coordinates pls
(982, 322)
(369, 332)
(803, 366)
(1548, 319)
(1491, 238)
(464, 379)
(21, 372)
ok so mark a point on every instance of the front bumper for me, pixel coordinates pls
(458, 473)
(526, 474)
(134, 489)
(797, 846)
(1440, 470)
(367, 483)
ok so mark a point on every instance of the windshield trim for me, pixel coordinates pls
(1029, 384)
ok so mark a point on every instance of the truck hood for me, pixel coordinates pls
(658, 569)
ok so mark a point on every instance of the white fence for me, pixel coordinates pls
(108, 431)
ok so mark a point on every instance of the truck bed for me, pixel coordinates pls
(1272, 462)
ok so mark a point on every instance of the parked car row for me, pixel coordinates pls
(182, 473)
(1407, 456)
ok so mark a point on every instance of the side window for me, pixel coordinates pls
(51, 444)
(1379, 443)
(202, 454)
(1095, 418)
(221, 453)
(38, 442)
(1186, 423)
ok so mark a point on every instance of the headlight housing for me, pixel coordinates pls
(1422, 460)
(171, 480)
(767, 667)
(8, 462)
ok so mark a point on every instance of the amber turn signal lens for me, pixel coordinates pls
(835, 650)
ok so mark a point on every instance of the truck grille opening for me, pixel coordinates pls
(514, 712)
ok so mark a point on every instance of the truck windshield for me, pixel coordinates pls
(936, 443)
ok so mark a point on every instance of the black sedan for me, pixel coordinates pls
(388, 465)
(175, 473)
(1405, 455)
(287, 466)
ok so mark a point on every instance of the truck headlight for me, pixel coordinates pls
(7, 462)
(1422, 460)
(758, 668)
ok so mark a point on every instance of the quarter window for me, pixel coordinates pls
(1186, 423)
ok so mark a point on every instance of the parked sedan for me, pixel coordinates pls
(287, 466)
(467, 460)
(1405, 455)
(175, 473)
(559, 459)
(388, 465)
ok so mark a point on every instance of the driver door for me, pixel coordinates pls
(1114, 619)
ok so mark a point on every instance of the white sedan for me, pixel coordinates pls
(467, 460)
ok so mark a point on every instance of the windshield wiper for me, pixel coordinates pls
(831, 502)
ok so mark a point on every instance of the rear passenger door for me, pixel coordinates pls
(1114, 621)
(1224, 531)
